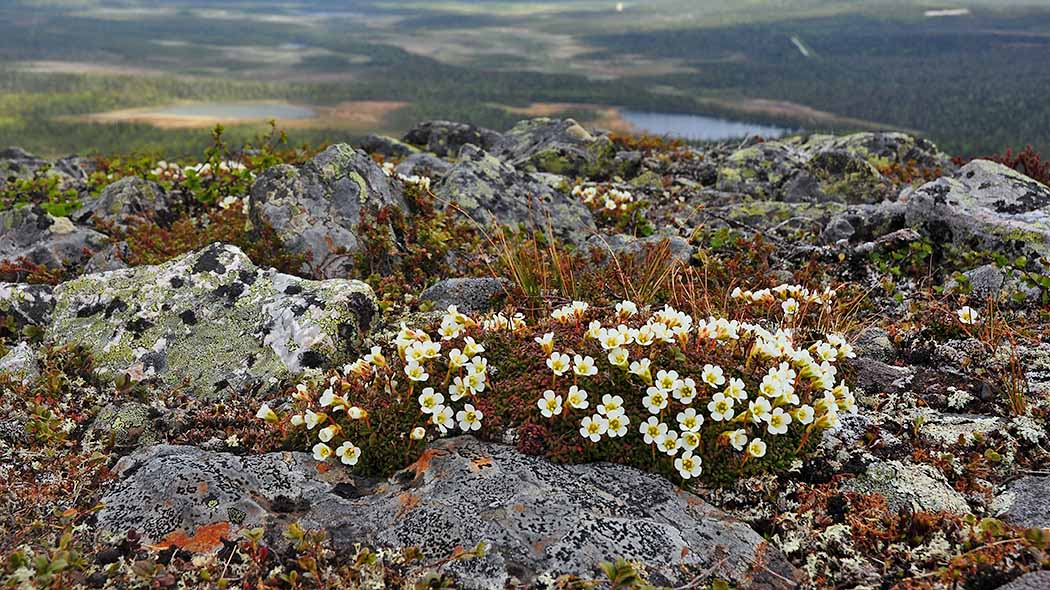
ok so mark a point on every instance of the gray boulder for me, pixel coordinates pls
(469, 295)
(424, 164)
(882, 147)
(20, 364)
(211, 321)
(985, 206)
(562, 146)
(445, 138)
(317, 209)
(125, 201)
(18, 164)
(1031, 581)
(387, 146)
(32, 234)
(491, 191)
(538, 517)
(1025, 502)
(621, 245)
(23, 305)
(760, 170)
(909, 487)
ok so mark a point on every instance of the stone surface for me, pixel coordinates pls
(23, 305)
(211, 321)
(985, 206)
(126, 425)
(1031, 581)
(124, 202)
(470, 295)
(874, 377)
(624, 245)
(387, 146)
(562, 146)
(759, 170)
(491, 191)
(910, 487)
(424, 164)
(55, 242)
(318, 208)
(538, 518)
(445, 138)
(20, 363)
(1025, 502)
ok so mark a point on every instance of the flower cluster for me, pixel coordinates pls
(609, 200)
(799, 385)
(422, 182)
(171, 171)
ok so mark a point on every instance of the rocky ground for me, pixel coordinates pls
(180, 341)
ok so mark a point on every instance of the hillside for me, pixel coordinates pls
(552, 356)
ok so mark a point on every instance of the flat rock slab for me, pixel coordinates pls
(211, 321)
(538, 517)
(1026, 502)
(909, 487)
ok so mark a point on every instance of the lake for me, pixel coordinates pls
(236, 110)
(697, 127)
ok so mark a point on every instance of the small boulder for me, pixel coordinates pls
(446, 138)
(469, 295)
(388, 147)
(19, 364)
(562, 146)
(1025, 502)
(424, 164)
(318, 209)
(124, 202)
(23, 305)
(619, 245)
(491, 191)
(909, 487)
(54, 242)
(211, 321)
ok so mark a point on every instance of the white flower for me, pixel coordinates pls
(550, 404)
(689, 420)
(652, 429)
(327, 433)
(429, 400)
(546, 342)
(790, 306)
(265, 413)
(311, 419)
(756, 448)
(416, 372)
(668, 442)
(968, 315)
(759, 409)
(457, 389)
(618, 357)
(688, 466)
(685, 390)
(617, 425)
(712, 375)
(593, 427)
(471, 348)
(640, 367)
(594, 330)
(735, 390)
(721, 408)
(322, 452)
(348, 453)
(666, 380)
(611, 404)
(584, 366)
(442, 418)
(558, 363)
(738, 438)
(626, 309)
(654, 400)
(457, 359)
(804, 414)
(475, 382)
(577, 398)
(469, 418)
(356, 413)
(778, 421)
(418, 433)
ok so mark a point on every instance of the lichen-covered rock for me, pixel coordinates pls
(18, 164)
(112, 257)
(211, 321)
(989, 280)
(910, 487)
(882, 148)
(125, 425)
(317, 209)
(54, 242)
(469, 295)
(20, 363)
(1031, 581)
(124, 202)
(759, 170)
(538, 517)
(493, 192)
(445, 138)
(985, 206)
(23, 305)
(562, 146)
(424, 164)
(624, 245)
(387, 146)
(1025, 502)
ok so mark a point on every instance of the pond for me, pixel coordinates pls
(697, 127)
(236, 110)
